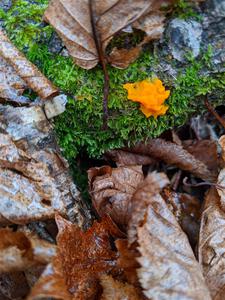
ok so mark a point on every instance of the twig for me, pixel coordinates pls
(214, 113)
(218, 186)
(102, 60)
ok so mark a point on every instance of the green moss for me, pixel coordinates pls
(80, 127)
(185, 9)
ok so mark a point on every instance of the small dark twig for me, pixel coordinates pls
(103, 62)
(218, 186)
(214, 113)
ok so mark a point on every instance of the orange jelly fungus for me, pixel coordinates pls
(151, 94)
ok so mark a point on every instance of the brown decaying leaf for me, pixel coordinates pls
(127, 260)
(205, 151)
(168, 269)
(111, 190)
(28, 194)
(25, 69)
(124, 158)
(176, 155)
(147, 191)
(116, 290)
(222, 144)
(186, 209)
(72, 21)
(20, 251)
(81, 259)
(211, 250)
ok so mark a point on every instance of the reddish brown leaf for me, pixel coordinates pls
(174, 154)
(111, 190)
(222, 144)
(168, 269)
(127, 260)
(25, 69)
(123, 158)
(82, 258)
(116, 290)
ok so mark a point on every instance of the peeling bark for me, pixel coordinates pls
(32, 136)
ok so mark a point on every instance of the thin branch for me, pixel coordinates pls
(102, 60)
(214, 113)
(204, 183)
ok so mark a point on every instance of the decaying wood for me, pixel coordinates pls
(25, 69)
(35, 180)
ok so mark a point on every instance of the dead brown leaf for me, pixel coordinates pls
(75, 25)
(25, 69)
(211, 250)
(116, 290)
(111, 190)
(124, 158)
(141, 199)
(174, 154)
(168, 269)
(127, 260)
(82, 258)
(205, 151)
(20, 251)
(186, 210)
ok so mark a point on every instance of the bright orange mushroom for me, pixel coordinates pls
(151, 94)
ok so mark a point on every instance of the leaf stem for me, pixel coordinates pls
(102, 60)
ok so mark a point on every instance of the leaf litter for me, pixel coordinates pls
(152, 239)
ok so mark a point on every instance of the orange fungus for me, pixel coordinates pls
(151, 94)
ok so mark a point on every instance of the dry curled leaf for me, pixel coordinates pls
(168, 269)
(124, 158)
(25, 69)
(114, 289)
(175, 155)
(211, 250)
(82, 257)
(20, 251)
(111, 190)
(141, 199)
(75, 25)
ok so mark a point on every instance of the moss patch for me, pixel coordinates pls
(80, 127)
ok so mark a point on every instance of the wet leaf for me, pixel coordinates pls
(81, 259)
(74, 24)
(174, 154)
(20, 251)
(111, 190)
(169, 269)
(25, 69)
